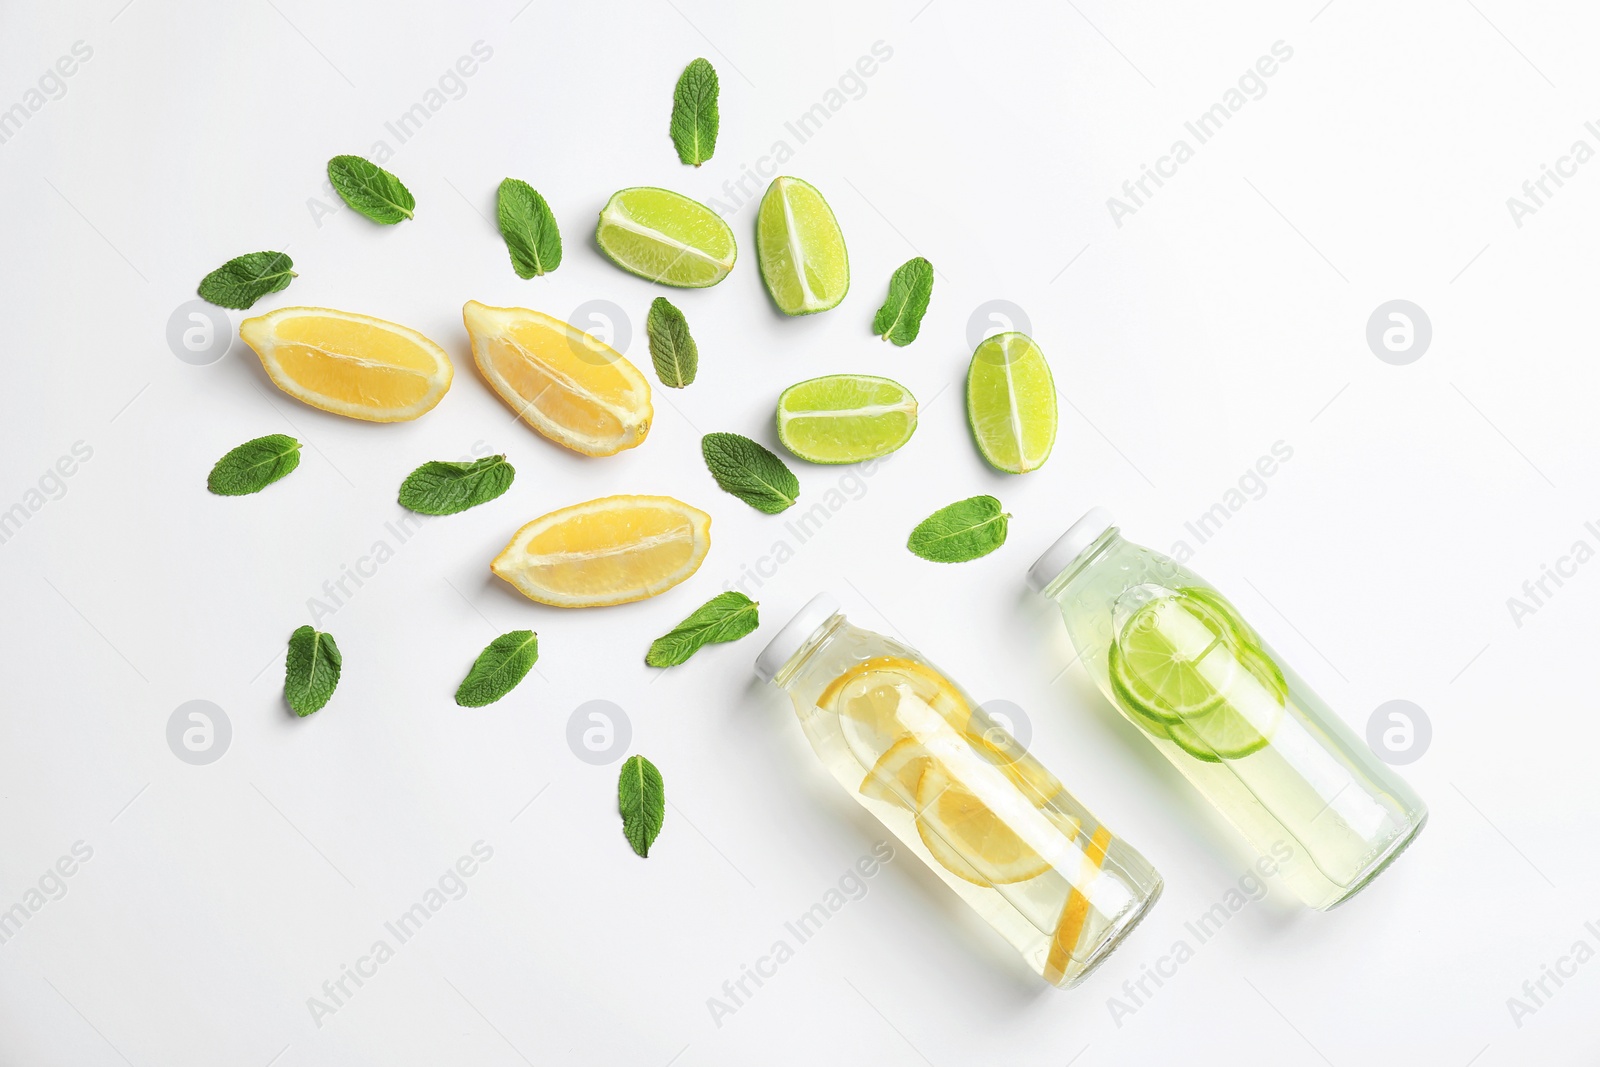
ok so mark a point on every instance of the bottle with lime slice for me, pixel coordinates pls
(960, 792)
(1179, 660)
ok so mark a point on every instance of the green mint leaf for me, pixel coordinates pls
(254, 465)
(529, 228)
(499, 668)
(750, 472)
(694, 113)
(371, 190)
(312, 672)
(672, 350)
(725, 617)
(961, 531)
(243, 280)
(443, 488)
(642, 799)
(901, 315)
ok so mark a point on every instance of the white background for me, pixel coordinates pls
(1227, 314)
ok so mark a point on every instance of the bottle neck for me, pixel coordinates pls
(812, 644)
(1102, 546)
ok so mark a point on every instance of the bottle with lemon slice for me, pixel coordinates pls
(960, 793)
(1181, 663)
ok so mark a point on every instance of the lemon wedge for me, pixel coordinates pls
(350, 364)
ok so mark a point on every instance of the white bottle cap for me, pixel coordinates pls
(1068, 547)
(781, 649)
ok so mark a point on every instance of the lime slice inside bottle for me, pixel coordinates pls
(1223, 734)
(667, 238)
(845, 418)
(1184, 672)
(1011, 403)
(801, 249)
(1174, 659)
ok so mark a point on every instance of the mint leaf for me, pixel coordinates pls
(750, 472)
(439, 487)
(725, 617)
(499, 668)
(254, 465)
(371, 190)
(672, 350)
(312, 672)
(694, 113)
(961, 531)
(243, 280)
(642, 799)
(529, 228)
(901, 315)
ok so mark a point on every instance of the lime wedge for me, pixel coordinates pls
(1011, 403)
(845, 418)
(800, 249)
(667, 238)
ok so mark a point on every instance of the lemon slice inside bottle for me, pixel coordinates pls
(897, 774)
(967, 837)
(867, 699)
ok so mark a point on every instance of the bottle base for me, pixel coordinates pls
(1114, 938)
(1381, 864)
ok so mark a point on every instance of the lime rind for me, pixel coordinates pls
(800, 248)
(845, 418)
(665, 237)
(1011, 403)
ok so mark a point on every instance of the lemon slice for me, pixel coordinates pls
(967, 837)
(1075, 911)
(574, 389)
(667, 238)
(606, 551)
(350, 364)
(867, 699)
(1014, 761)
(895, 776)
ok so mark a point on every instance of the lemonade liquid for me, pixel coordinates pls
(960, 793)
(1180, 662)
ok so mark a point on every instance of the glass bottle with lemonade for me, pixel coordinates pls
(960, 793)
(1175, 656)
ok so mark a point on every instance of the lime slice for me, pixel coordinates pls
(667, 238)
(845, 418)
(1223, 734)
(801, 249)
(1144, 714)
(1011, 403)
(1183, 672)
(1222, 606)
(1175, 659)
(1242, 630)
